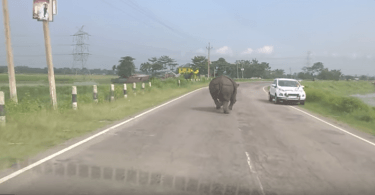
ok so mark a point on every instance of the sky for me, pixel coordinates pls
(340, 34)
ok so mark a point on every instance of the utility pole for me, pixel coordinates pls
(237, 69)
(290, 72)
(51, 74)
(242, 70)
(209, 62)
(11, 74)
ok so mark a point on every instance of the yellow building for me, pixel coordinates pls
(187, 70)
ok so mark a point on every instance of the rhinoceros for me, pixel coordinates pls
(223, 89)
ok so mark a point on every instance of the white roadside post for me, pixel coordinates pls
(143, 88)
(149, 83)
(74, 97)
(179, 83)
(112, 92)
(95, 93)
(2, 109)
(125, 92)
(134, 88)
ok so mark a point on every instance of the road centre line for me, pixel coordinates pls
(254, 172)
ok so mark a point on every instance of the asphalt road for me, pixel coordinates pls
(189, 147)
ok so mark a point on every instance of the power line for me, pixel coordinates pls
(124, 12)
(80, 52)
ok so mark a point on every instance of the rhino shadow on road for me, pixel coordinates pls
(280, 103)
(207, 109)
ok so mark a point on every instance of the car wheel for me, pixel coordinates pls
(302, 102)
(270, 97)
(276, 100)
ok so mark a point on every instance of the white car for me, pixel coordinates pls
(287, 90)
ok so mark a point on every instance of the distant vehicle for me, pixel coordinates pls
(287, 90)
(132, 79)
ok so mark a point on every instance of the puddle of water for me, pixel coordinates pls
(369, 99)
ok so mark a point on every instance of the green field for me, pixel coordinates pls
(32, 126)
(59, 79)
(331, 99)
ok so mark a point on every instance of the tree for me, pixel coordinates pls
(363, 77)
(223, 67)
(126, 67)
(200, 63)
(146, 67)
(325, 74)
(278, 73)
(114, 69)
(166, 61)
(156, 65)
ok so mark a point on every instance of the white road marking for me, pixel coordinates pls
(265, 90)
(253, 171)
(14, 174)
(347, 132)
(249, 162)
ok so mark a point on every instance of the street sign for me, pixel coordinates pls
(242, 69)
(43, 10)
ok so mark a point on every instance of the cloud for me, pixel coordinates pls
(265, 50)
(224, 50)
(247, 51)
(200, 51)
(354, 56)
(368, 56)
(335, 54)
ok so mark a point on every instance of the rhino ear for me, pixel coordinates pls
(238, 85)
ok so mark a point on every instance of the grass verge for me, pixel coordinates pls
(30, 131)
(331, 99)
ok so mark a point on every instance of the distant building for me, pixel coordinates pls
(183, 70)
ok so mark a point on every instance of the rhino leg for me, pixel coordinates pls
(232, 101)
(231, 104)
(218, 104)
(225, 106)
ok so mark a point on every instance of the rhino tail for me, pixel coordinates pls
(220, 87)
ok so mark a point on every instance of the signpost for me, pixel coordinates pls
(242, 69)
(43, 10)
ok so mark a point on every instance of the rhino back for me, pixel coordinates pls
(222, 87)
